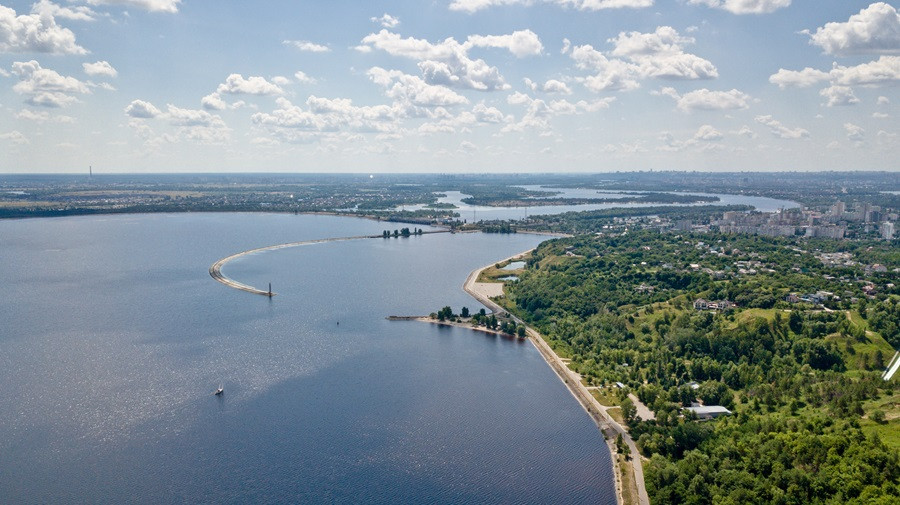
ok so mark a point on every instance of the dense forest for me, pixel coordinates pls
(795, 349)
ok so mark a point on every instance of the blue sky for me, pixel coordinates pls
(448, 85)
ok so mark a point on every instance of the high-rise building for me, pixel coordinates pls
(887, 230)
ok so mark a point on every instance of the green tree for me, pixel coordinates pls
(464, 312)
(629, 411)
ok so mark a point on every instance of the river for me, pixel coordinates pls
(115, 336)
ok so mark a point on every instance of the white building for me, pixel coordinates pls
(887, 230)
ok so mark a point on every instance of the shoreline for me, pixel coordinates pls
(464, 325)
(609, 427)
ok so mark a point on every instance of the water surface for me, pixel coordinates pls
(115, 337)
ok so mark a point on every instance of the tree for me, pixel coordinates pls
(464, 312)
(520, 331)
(877, 416)
(629, 411)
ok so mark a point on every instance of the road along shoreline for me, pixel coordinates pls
(610, 428)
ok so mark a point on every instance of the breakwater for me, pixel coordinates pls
(215, 271)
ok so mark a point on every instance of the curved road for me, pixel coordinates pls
(572, 381)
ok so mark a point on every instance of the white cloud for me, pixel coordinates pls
(551, 86)
(883, 100)
(302, 78)
(485, 114)
(75, 13)
(839, 95)
(801, 79)
(638, 56)
(236, 84)
(386, 21)
(781, 131)
(412, 90)
(745, 131)
(592, 5)
(46, 87)
(281, 80)
(660, 54)
(99, 68)
(170, 6)
(883, 71)
(708, 134)
(42, 117)
(704, 99)
(854, 133)
(307, 46)
(35, 33)
(520, 43)
(213, 101)
(191, 117)
(142, 109)
(448, 63)
(744, 6)
(14, 137)
(325, 115)
(876, 29)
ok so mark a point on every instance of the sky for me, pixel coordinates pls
(448, 86)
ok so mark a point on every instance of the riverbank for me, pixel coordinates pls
(458, 324)
(483, 292)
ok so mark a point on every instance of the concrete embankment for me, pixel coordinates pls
(598, 413)
(215, 271)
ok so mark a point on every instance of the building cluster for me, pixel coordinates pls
(809, 223)
(722, 305)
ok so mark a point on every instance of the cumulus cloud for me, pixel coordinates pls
(551, 86)
(213, 101)
(386, 21)
(302, 78)
(471, 6)
(520, 43)
(538, 112)
(14, 137)
(637, 56)
(883, 100)
(74, 13)
(855, 133)
(707, 133)
(235, 84)
(142, 109)
(875, 30)
(839, 95)
(325, 115)
(170, 6)
(448, 63)
(801, 79)
(781, 131)
(307, 46)
(99, 68)
(704, 99)
(413, 90)
(46, 87)
(744, 6)
(35, 33)
(42, 117)
(885, 71)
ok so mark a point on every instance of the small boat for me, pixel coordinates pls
(219, 391)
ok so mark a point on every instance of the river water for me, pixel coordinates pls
(475, 213)
(114, 337)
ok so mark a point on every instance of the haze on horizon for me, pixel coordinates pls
(448, 85)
